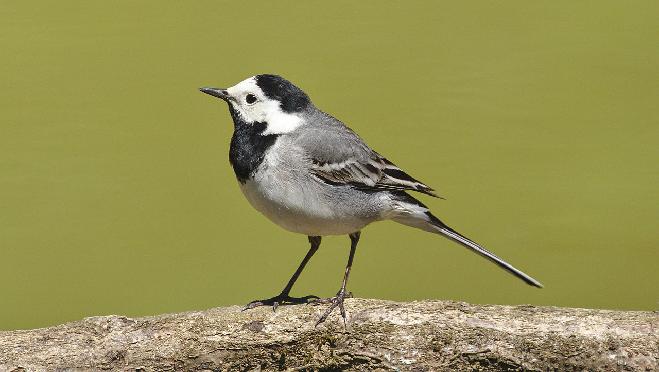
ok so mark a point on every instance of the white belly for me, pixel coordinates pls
(305, 210)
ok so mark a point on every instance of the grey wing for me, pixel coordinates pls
(338, 156)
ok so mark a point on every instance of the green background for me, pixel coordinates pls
(536, 120)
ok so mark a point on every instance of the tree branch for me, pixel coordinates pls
(426, 335)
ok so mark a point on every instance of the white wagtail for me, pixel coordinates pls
(310, 174)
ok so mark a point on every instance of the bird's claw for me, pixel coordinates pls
(280, 299)
(336, 301)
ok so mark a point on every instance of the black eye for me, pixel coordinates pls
(250, 98)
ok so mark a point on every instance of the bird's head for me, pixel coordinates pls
(268, 99)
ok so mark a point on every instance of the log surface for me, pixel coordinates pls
(380, 335)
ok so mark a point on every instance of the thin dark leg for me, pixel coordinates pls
(337, 301)
(283, 298)
(315, 244)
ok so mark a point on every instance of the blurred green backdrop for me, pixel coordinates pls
(537, 122)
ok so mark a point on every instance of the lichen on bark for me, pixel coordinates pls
(380, 335)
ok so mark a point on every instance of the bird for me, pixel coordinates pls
(309, 173)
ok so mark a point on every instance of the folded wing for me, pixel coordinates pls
(339, 157)
(375, 173)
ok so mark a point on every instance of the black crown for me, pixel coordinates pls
(291, 98)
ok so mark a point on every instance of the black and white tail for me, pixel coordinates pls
(415, 214)
(461, 239)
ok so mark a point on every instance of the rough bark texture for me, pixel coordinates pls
(426, 335)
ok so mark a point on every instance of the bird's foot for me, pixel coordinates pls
(336, 301)
(280, 299)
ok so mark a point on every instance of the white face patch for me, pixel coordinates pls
(263, 109)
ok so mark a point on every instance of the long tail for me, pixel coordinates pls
(418, 215)
(461, 239)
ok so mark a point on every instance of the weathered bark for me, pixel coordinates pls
(427, 335)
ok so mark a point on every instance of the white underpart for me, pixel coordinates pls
(264, 110)
(294, 201)
(409, 214)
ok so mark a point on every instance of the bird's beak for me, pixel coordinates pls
(217, 92)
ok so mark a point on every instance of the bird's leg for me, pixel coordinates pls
(337, 301)
(283, 298)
